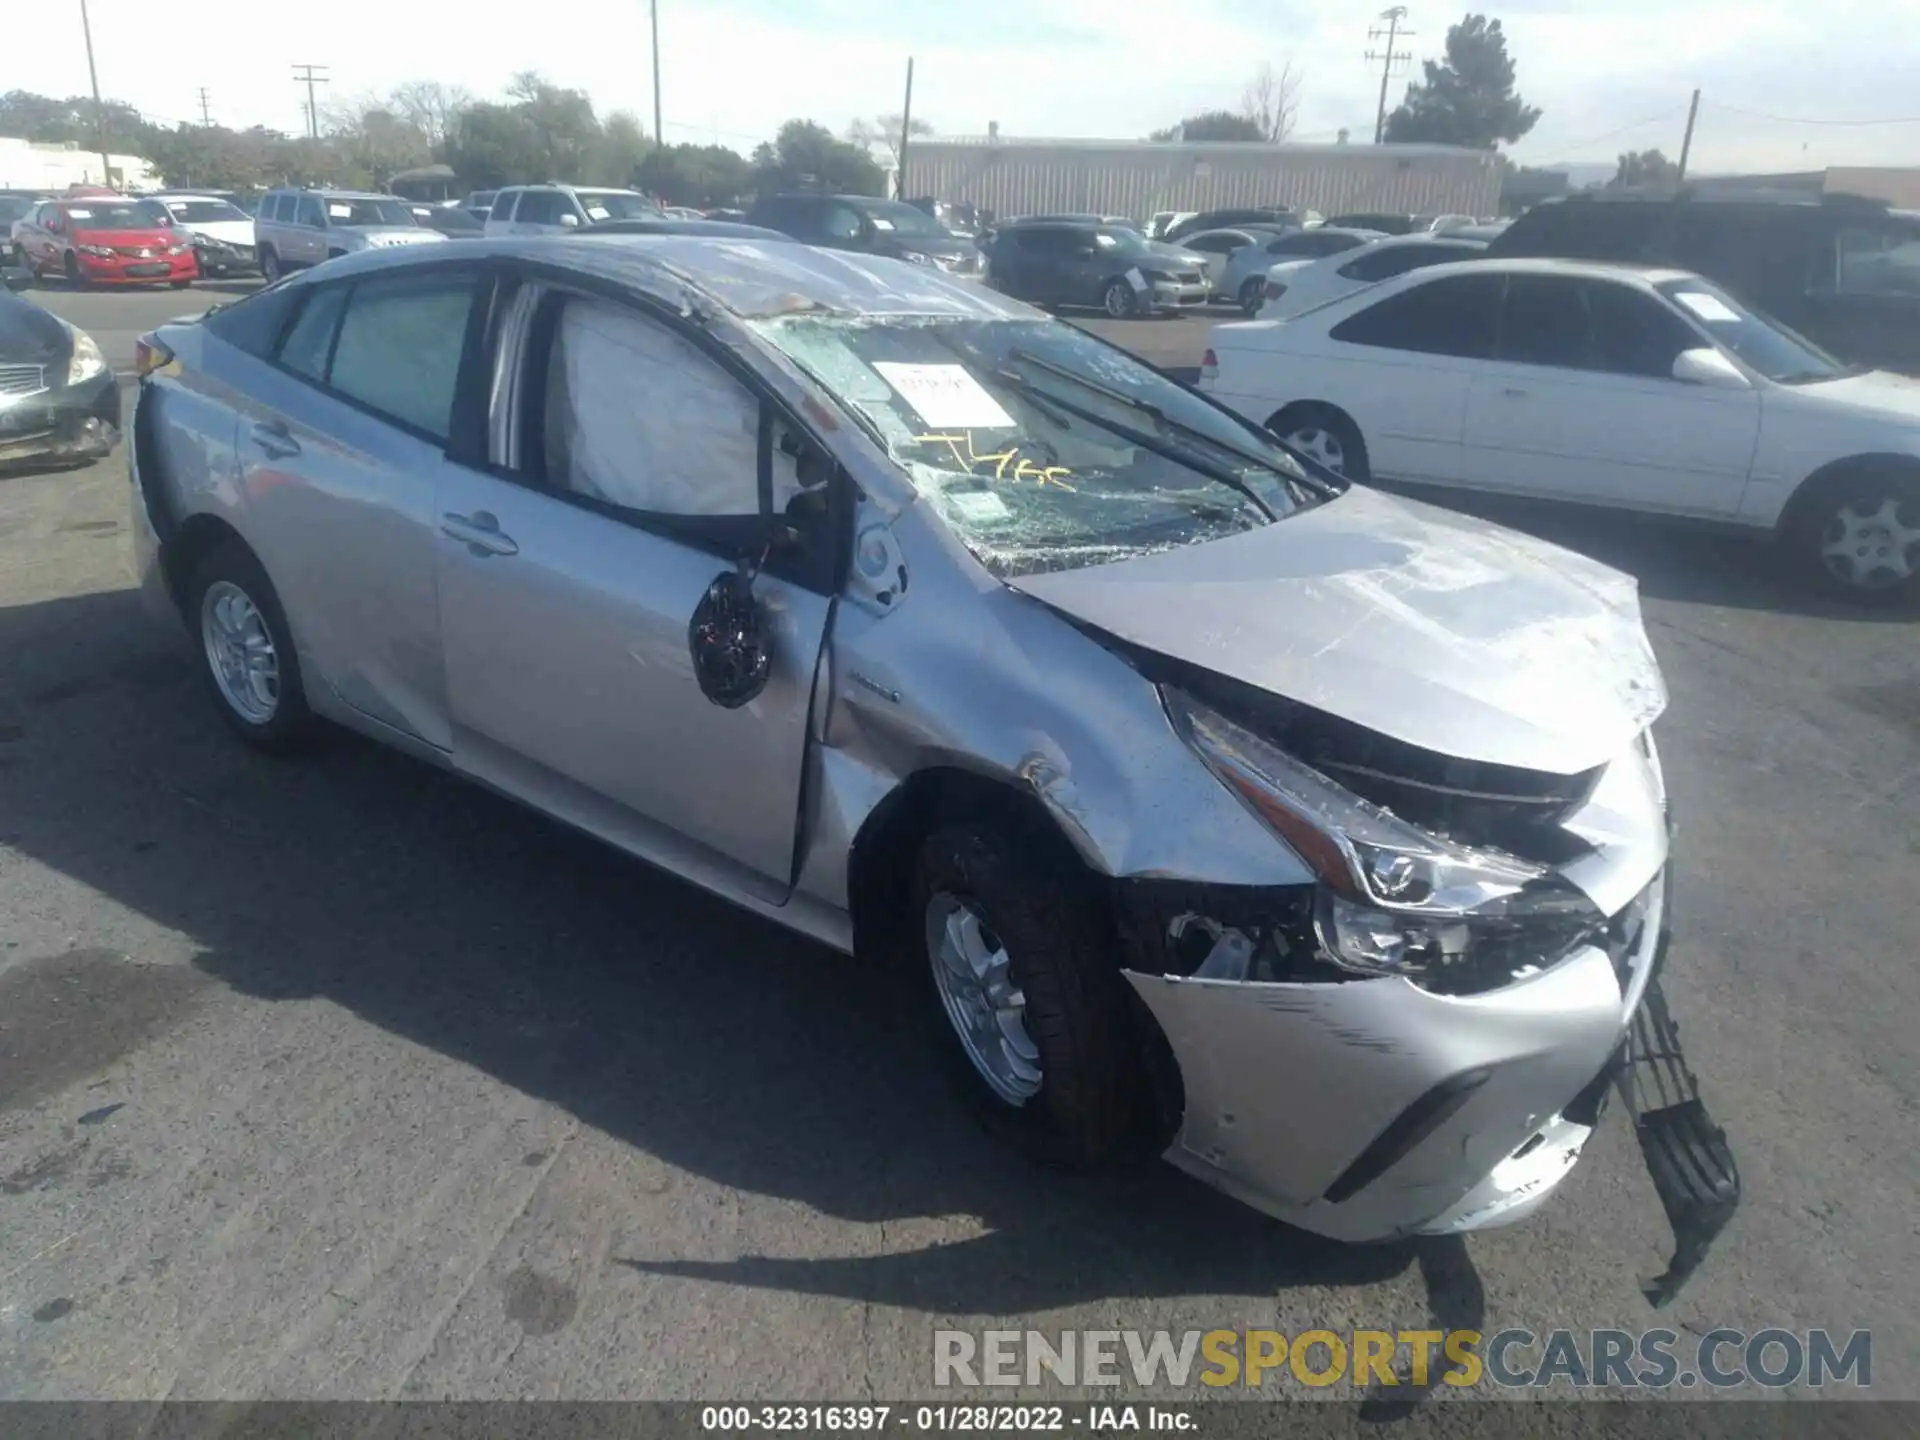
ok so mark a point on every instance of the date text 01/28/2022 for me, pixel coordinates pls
(1093, 1419)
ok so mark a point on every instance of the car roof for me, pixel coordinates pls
(673, 225)
(748, 278)
(1578, 269)
(328, 190)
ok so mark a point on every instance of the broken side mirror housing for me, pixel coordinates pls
(727, 638)
(1707, 366)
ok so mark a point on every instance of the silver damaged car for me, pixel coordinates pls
(1312, 836)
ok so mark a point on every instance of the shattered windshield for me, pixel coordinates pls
(1040, 447)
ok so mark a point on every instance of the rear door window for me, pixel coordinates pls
(1454, 316)
(399, 347)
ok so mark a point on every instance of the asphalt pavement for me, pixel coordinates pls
(337, 1078)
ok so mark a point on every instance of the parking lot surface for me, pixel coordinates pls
(336, 1078)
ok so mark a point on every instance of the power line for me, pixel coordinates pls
(311, 79)
(1387, 58)
(1666, 114)
(1809, 120)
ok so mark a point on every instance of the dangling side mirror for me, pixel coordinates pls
(728, 640)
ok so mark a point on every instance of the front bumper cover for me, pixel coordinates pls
(64, 423)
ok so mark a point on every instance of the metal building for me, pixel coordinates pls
(1138, 177)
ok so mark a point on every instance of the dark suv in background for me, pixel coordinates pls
(870, 226)
(1843, 271)
(1086, 262)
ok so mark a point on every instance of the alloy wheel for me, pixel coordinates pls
(240, 652)
(974, 977)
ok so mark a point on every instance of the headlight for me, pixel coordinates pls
(178, 249)
(212, 246)
(915, 257)
(105, 252)
(1394, 898)
(87, 360)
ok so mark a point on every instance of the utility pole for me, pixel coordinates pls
(206, 116)
(906, 129)
(99, 110)
(1686, 142)
(659, 128)
(311, 78)
(1388, 58)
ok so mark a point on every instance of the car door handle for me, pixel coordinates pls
(480, 533)
(275, 439)
(1514, 392)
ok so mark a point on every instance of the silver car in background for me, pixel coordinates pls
(1312, 836)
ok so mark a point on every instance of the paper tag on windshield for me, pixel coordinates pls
(339, 212)
(1137, 280)
(597, 212)
(981, 507)
(1709, 308)
(945, 395)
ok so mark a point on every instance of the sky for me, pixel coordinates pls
(1784, 86)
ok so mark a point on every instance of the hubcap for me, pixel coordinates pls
(240, 652)
(1871, 549)
(1321, 445)
(989, 1013)
(1118, 301)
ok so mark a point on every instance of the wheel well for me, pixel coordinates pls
(880, 867)
(197, 537)
(1794, 512)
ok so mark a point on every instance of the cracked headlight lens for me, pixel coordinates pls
(87, 361)
(1395, 899)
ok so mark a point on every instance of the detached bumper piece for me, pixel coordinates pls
(1687, 1154)
(63, 425)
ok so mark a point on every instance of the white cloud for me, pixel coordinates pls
(1610, 75)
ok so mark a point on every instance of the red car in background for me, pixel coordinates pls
(108, 240)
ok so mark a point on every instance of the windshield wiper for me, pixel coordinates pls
(1151, 443)
(1160, 417)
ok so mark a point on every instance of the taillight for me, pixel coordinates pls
(149, 355)
(1209, 365)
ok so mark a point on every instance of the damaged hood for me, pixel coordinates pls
(1433, 628)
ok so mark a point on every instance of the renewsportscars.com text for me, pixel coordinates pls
(1510, 1359)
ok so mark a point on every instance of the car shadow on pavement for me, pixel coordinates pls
(662, 1016)
(1688, 564)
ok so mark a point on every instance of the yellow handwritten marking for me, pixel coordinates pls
(969, 460)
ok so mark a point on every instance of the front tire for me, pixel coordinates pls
(246, 650)
(179, 284)
(270, 270)
(1119, 300)
(71, 268)
(1020, 963)
(1859, 537)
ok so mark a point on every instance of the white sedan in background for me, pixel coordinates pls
(1297, 285)
(1632, 387)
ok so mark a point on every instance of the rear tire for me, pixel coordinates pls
(1327, 435)
(1858, 536)
(1076, 1064)
(247, 656)
(269, 264)
(1253, 294)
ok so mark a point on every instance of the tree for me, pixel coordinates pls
(806, 155)
(884, 131)
(1467, 99)
(1644, 170)
(1272, 100)
(373, 142)
(431, 108)
(1212, 125)
(619, 151)
(701, 175)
